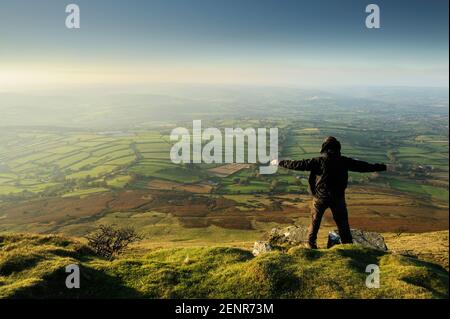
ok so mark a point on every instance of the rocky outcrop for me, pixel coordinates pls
(280, 238)
(284, 238)
(363, 238)
(291, 235)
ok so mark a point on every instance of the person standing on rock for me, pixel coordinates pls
(327, 181)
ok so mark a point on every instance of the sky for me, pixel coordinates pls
(138, 43)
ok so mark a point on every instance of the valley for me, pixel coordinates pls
(69, 181)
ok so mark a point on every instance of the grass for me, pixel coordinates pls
(85, 192)
(251, 188)
(5, 189)
(427, 190)
(432, 247)
(110, 150)
(33, 266)
(97, 171)
(166, 170)
(73, 159)
(118, 181)
(122, 160)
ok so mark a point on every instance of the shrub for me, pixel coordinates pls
(109, 241)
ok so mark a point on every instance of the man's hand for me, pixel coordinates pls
(274, 162)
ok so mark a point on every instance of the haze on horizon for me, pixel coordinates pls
(266, 42)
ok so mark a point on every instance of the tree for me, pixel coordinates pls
(109, 241)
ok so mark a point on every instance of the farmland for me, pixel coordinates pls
(70, 180)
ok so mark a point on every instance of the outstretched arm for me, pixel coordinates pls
(302, 165)
(364, 167)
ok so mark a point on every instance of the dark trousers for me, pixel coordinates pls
(340, 215)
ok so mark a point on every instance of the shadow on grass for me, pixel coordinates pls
(360, 258)
(436, 274)
(18, 263)
(94, 284)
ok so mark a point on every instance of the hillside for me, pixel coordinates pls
(432, 246)
(33, 266)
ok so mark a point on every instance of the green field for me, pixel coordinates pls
(78, 162)
(72, 163)
(69, 180)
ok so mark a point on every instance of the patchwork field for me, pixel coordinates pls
(69, 182)
(227, 170)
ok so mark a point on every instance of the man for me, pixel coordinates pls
(327, 182)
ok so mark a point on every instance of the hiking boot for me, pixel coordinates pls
(312, 246)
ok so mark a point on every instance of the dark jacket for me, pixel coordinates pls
(329, 173)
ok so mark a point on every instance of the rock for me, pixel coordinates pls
(333, 239)
(261, 247)
(291, 235)
(279, 238)
(363, 238)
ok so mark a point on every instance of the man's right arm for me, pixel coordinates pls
(302, 165)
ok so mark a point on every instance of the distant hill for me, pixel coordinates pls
(119, 110)
(34, 266)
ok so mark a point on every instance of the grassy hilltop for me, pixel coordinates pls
(34, 266)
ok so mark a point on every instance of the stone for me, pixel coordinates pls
(291, 235)
(261, 247)
(367, 239)
(333, 239)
